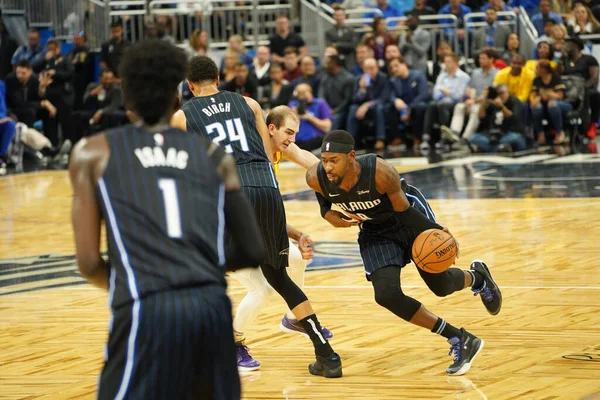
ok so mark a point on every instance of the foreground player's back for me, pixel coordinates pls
(227, 119)
(163, 201)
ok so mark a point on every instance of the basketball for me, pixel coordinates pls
(434, 251)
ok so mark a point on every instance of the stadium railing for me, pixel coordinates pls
(527, 34)
(476, 20)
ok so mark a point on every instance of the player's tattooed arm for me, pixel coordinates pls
(387, 181)
(88, 160)
(335, 218)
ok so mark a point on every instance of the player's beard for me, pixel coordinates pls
(337, 179)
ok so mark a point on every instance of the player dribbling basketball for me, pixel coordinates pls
(370, 193)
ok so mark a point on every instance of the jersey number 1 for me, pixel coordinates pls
(169, 192)
(235, 131)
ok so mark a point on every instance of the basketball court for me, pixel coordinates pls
(533, 219)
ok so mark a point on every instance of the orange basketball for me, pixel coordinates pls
(434, 251)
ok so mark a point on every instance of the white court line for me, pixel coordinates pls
(552, 186)
(354, 287)
(475, 212)
(483, 175)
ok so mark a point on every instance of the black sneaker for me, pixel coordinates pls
(329, 367)
(465, 350)
(489, 291)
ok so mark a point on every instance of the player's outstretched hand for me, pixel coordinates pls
(457, 245)
(304, 245)
(351, 218)
(340, 220)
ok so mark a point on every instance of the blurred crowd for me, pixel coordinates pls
(386, 86)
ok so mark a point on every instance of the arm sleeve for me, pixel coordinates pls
(415, 219)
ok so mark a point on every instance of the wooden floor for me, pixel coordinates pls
(545, 344)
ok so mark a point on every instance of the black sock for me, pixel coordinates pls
(477, 279)
(312, 327)
(443, 328)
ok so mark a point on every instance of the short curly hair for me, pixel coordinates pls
(202, 69)
(151, 72)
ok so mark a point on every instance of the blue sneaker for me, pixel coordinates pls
(292, 325)
(489, 291)
(465, 349)
(245, 362)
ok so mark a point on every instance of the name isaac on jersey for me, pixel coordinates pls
(156, 157)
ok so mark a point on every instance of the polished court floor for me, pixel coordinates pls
(534, 220)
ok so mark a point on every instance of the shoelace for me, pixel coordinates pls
(456, 349)
(485, 292)
(243, 351)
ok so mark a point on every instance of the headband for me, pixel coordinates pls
(335, 147)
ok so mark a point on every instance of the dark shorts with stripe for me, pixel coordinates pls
(270, 213)
(389, 244)
(172, 345)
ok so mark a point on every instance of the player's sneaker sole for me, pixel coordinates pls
(285, 329)
(248, 369)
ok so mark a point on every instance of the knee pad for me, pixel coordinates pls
(446, 283)
(388, 294)
(283, 284)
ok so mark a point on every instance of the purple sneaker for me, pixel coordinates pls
(245, 362)
(292, 325)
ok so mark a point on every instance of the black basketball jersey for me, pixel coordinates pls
(228, 120)
(362, 199)
(162, 200)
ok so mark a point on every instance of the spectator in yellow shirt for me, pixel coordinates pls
(518, 79)
(544, 52)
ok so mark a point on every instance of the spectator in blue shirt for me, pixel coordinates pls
(387, 10)
(530, 6)
(371, 94)
(7, 128)
(34, 53)
(459, 10)
(545, 13)
(498, 5)
(315, 117)
(409, 92)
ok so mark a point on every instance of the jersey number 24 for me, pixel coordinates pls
(233, 129)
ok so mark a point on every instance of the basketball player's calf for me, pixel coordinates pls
(328, 362)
